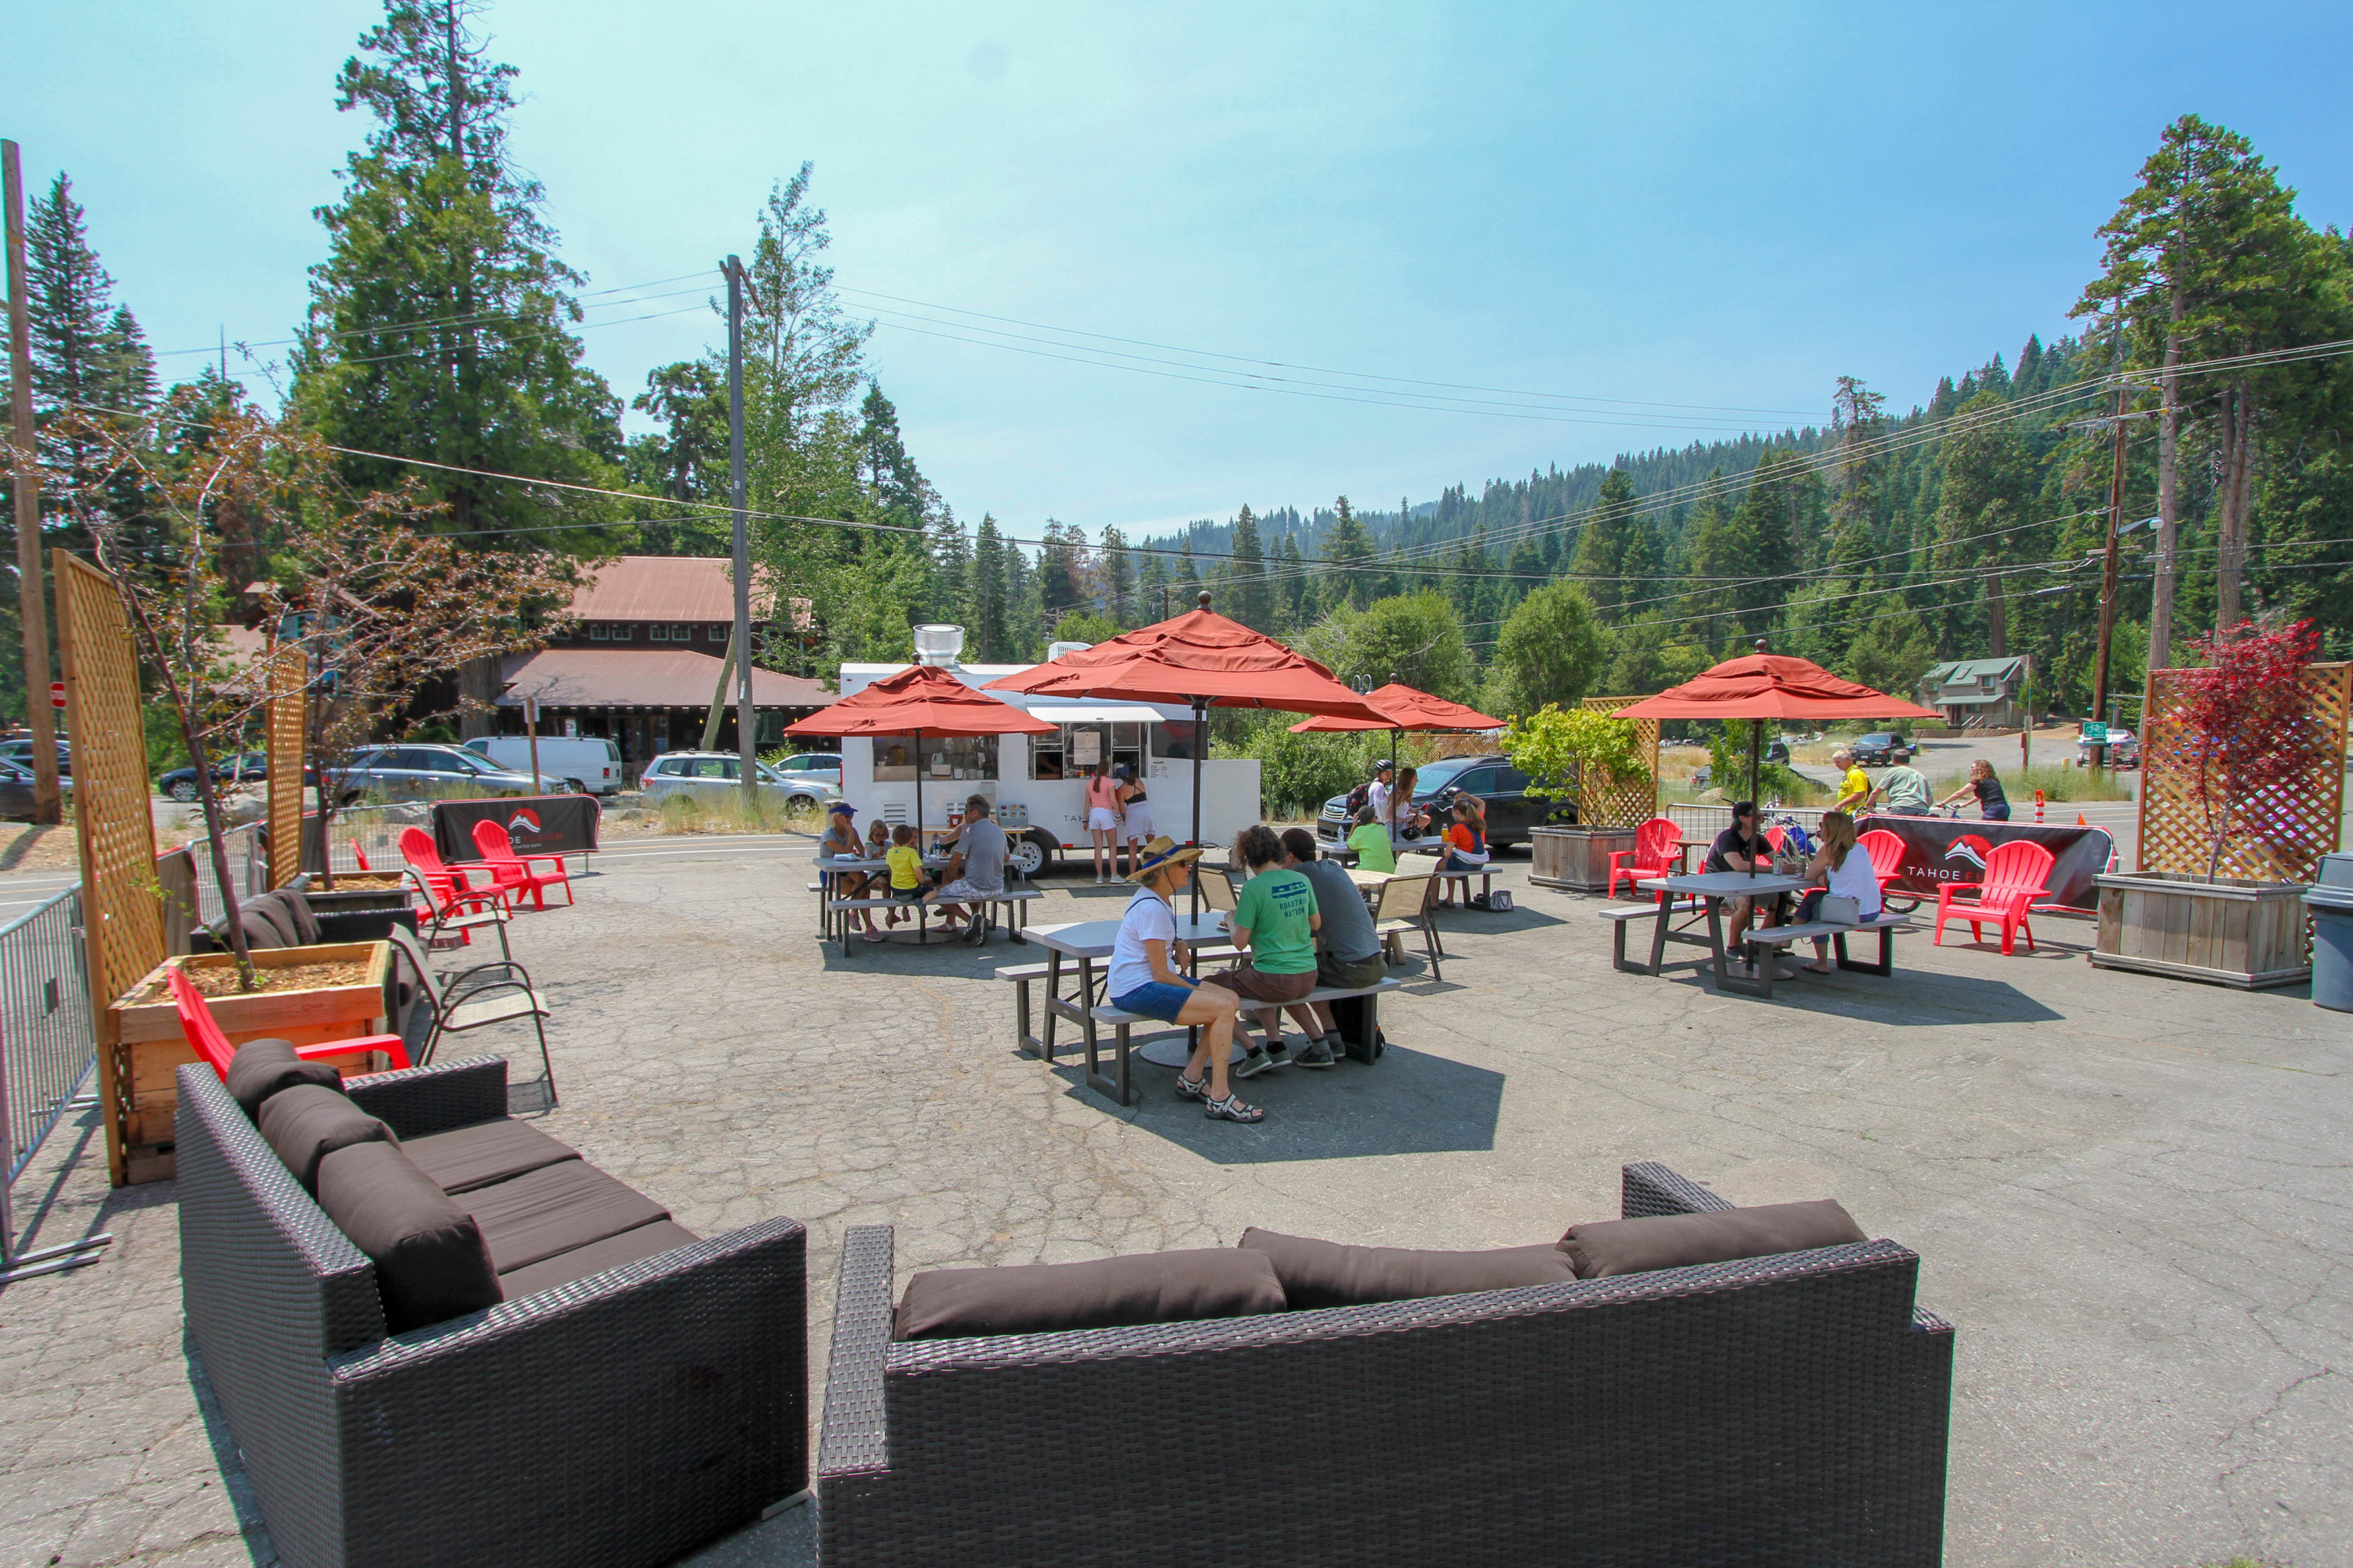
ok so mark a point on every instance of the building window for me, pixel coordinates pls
(681, 634)
(596, 631)
(719, 630)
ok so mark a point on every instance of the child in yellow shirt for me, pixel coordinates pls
(906, 870)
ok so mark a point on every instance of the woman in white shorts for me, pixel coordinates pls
(1102, 821)
(1136, 815)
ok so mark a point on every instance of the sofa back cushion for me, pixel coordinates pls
(261, 1067)
(1330, 1274)
(1723, 1235)
(430, 1263)
(307, 1123)
(1106, 1293)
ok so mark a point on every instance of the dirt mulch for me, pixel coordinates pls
(220, 980)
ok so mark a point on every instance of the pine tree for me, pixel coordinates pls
(1855, 419)
(438, 325)
(1601, 542)
(1291, 585)
(1981, 516)
(883, 462)
(951, 569)
(1347, 550)
(1777, 510)
(1253, 603)
(1152, 589)
(1118, 579)
(1061, 571)
(87, 352)
(990, 640)
(1722, 550)
(1025, 615)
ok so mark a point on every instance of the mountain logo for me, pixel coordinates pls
(523, 817)
(1971, 847)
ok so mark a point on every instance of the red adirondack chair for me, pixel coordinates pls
(514, 872)
(1778, 837)
(450, 892)
(1653, 853)
(1886, 852)
(197, 1022)
(2015, 874)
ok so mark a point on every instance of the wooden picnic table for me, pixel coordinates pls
(1090, 943)
(1711, 887)
(830, 868)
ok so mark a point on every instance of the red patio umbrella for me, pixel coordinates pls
(1761, 686)
(1407, 709)
(1201, 660)
(919, 698)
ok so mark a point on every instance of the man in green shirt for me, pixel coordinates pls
(1903, 792)
(1274, 923)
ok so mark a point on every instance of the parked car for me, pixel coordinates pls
(827, 764)
(584, 765)
(1513, 813)
(421, 771)
(1881, 749)
(710, 776)
(15, 792)
(2124, 749)
(179, 783)
(20, 751)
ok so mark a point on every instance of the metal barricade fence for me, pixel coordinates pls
(48, 1050)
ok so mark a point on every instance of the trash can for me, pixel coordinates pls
(2330, 901)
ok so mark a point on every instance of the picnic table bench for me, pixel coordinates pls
(1364, 1041)
(1013, 900)
(1758, 982)
(1024, 975)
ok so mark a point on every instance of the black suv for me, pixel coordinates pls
(1881, 749)
(1502, 788)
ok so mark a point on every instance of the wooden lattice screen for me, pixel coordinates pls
(284, 721)
(121, 903)
(1634, 804)
(2289, 836)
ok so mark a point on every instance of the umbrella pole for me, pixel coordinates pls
(1200, 744)
(1756, 760)
(918, 792)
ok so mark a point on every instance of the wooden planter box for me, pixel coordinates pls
(2233, 932)
(1574, 858)
(153, 1046)
(394, 894)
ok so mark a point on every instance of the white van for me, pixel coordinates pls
(589, 766)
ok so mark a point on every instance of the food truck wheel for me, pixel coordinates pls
(1032, 853)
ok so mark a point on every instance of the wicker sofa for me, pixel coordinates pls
(618, 1419)
(1788, 1409)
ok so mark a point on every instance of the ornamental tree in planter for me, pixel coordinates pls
(2241, 735)
(1575, 754)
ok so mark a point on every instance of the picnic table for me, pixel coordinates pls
(1710, 889)
(1090, 943)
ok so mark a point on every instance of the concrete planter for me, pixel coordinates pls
(2232, 931)
(1574, 859)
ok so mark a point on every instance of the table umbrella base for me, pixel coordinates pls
(1173, 1051)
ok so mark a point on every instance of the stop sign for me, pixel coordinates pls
(56, 693)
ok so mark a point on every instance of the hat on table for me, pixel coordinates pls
(1160, 854)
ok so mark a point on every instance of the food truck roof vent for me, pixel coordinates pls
(1055, 650)
(936, 644)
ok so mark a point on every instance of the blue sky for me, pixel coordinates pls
(1702, 214)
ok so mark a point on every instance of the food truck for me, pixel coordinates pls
(1038, 782)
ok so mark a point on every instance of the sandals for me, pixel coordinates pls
(1190, 1088)
(1232, 1108)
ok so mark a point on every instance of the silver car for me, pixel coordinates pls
(427, 772)
(712, 775)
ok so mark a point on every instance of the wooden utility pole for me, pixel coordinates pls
(748, 757)
(31, 606)
(2108, 578)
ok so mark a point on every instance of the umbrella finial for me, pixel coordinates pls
(1760, 645)
(1204, 598)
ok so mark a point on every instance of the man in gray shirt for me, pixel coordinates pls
(1347, 951)
(977, 872)
(1903, 792)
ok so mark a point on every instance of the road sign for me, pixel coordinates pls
(2095, 733)
(56, 693)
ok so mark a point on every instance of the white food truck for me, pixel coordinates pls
(1038, 782)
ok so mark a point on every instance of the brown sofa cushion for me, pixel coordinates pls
(536, 1215)
(1106, 1293)
(1678, 1240)
(595, 1258)
(307, 1123)
(1329, 1274)
(430, 1264)
(261, 1067)
(467, 1157)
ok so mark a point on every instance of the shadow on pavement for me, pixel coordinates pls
(1408, 1103)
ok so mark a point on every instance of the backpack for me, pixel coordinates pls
(1357, 797)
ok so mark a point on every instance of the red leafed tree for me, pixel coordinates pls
(2250, 733)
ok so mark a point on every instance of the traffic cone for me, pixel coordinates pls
(2080, 822)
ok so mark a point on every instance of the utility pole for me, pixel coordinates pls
(748, 762)
(2108, 577)
(32, 609)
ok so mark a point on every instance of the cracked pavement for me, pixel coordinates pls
(2129, 1192)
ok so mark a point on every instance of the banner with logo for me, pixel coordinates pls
(539, 824)
(1944, 851)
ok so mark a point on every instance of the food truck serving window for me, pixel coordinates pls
(896, 757)
(1074, 748)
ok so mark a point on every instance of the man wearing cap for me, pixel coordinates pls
(1146, 979)
(841, 838)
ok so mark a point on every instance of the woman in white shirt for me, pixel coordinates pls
(1841, 870)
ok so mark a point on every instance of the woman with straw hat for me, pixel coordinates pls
(1146, 980)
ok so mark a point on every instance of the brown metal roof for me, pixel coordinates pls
(652, 678)
(666, 588)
